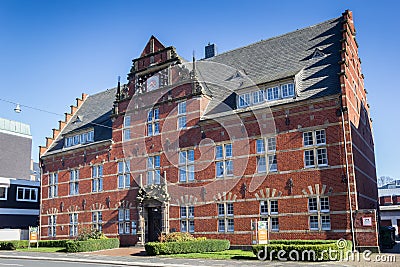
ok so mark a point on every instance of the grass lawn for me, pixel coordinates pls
(234, 254)
(42, 249)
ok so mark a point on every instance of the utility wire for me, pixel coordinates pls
(38, 109)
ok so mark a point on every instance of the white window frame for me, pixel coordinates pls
(52, 225)
(97, 178)
(53, 185)
(97, 220)
(266, 155)
(80, 138)
(74, 182)
(153, 122)
(25, 191)
(224, 161)
(244, 100)
(124, 174)
(182, 123)
(226, 217)
(273, 93)
(258, 97)
(287, 90)
(124, 221)
(187, 219)
(315, 152)
(186, 166)
(320, 209)
(5, 193)
(73, 224)
(154, 169)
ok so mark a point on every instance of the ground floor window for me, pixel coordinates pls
(97, 220)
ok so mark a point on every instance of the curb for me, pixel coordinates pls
(106, 262)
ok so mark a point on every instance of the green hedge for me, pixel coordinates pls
(195, 246)
(92, 245)
(16, 244)
(303, 250)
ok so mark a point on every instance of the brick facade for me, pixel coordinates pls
(156, 193)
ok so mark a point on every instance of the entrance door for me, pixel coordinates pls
(154, 224)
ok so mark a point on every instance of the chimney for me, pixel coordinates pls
(210, 50)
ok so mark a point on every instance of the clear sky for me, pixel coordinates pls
(52, 51)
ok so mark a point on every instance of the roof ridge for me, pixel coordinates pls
(104, 91)
(272, 38)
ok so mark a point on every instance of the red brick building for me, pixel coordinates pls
(278, 131)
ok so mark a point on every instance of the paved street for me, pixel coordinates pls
(135, 257)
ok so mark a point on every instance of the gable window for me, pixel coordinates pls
(153, 124)
(27, 194)
(3, 193)
(124, 221)
(186, 165)
(53, 185)
(124, 177)
(224, 163)
(225, 217)
(97, 178)
(318, 207)
(244, 100)
(52, 225)
(73, 224)
(126, 132)
(266, 159)
(316, 152)
(153, 170)
(74, 182)
(182, 115)
(187, 218)
(97, 220)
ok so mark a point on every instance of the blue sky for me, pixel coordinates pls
(52, 51)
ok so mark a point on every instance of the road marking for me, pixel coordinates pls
(10, 264)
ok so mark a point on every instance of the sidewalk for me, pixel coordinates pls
(134, 256)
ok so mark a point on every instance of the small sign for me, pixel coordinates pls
(33, 235)
(367, 221)
(262, 232)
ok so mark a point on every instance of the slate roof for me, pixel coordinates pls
(94, 112)
(284, 56)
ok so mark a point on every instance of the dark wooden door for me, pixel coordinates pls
(154, 224)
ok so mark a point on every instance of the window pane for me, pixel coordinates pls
(221, 225)
(157, 161)
(150, 116)
(156, 128)
(218, 152)
(261, 164)
(229, 207)
(182, 122)
(308, 139)
(260, 146)
(271, 144)
(182, 157)
(312, 204)
(182, 107)
(157, 177)
(127, 180)
(324, 203)
(219, 168)
(322, 157)
(230, 225)
(263, 207)
(183, 226)
(320, 137)
(272, 163)
(183, 212)
(191, 155)
(325, 222)
(149, 129)
(156, 114)
(191, 226)
(314, 222)
(274, 206)
(182, 174)
(274, 224)
(191, 211)
(191, 172)
(221, 209)
(228, 150)
(309, 158)
(229, 167)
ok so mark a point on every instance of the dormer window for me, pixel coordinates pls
(81, 138)
(272, 93)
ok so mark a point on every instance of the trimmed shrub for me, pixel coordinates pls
(194, 246)
(16, 244)
(91, 245)
(53, 243)
(302, 250)
(13, 245)
(87, 234)
(176, 237)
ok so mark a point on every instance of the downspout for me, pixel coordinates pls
(343, 109)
